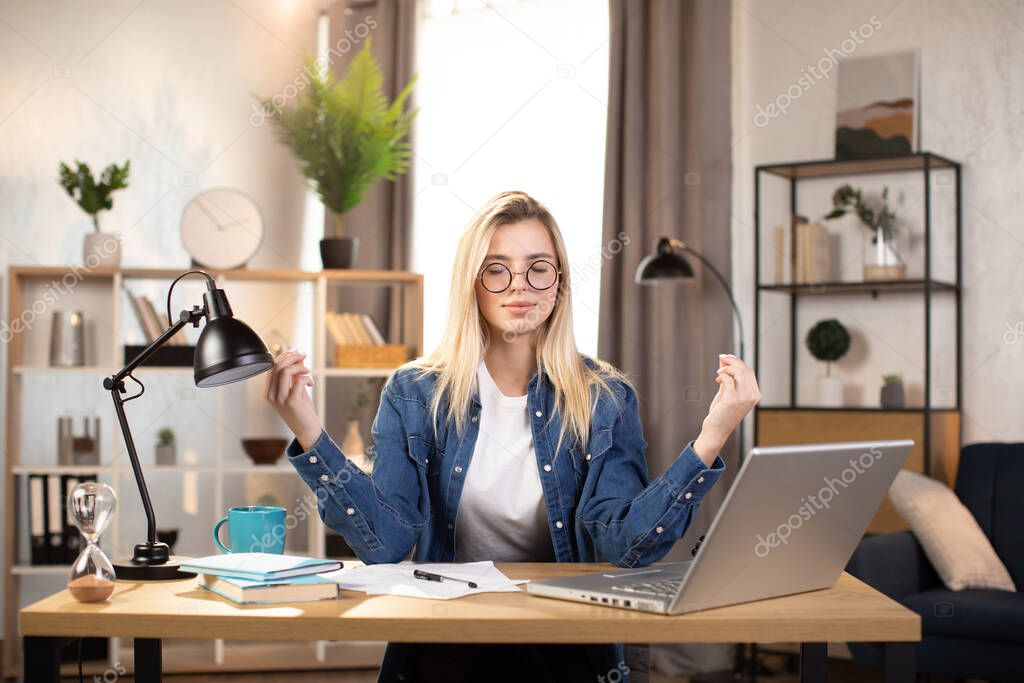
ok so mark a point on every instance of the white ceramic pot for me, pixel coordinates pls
(101, 250)
(830, 392)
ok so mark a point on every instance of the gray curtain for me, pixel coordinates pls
(383, 221)
(668, 173)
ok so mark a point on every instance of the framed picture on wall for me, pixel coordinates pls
(877, 106)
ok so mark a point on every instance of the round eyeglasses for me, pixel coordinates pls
(497, 277)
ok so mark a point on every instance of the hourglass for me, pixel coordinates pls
(91, 505)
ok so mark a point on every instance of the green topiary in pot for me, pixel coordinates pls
(829, 341)
(346, 136)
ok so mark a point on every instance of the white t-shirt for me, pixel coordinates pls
(502, 516)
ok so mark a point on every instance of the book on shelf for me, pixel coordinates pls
(53, 537)
(259, 566)
(811, 258)
(150, 321)
(308, 588)
(353, 329)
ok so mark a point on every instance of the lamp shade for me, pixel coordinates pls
(229, 351)
(664, 264)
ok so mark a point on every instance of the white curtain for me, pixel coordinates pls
(512, 96)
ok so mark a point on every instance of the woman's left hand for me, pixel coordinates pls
(737, 395)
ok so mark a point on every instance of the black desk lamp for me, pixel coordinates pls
(228, 351)
(667, 264)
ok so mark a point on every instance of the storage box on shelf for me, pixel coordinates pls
(931, 291)
(35, 291)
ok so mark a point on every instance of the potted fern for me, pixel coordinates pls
(346, 136)
(94, 196)
(829, 341)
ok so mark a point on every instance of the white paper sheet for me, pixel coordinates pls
(397, 579)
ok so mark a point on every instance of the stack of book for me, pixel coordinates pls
(265, 578)
(358, 342)
(349, 329)
(807, 250)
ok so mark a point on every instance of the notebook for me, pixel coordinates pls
(246, 592)
(259, 566)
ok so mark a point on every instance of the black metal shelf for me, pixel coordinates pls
(859, 409)
(861, 287)
(926, 286)
(826, 168)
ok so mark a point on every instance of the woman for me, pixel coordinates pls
(554, 437)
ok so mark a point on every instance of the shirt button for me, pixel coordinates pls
(700, 480)
(324, 477)
(458, 468)
(539, 414)
(588, 456)
(312, 459)
(547, 468)
(688, 495)
(474, 418)
(449, 525)
(350, 511)
(659, 529)
(558, 524)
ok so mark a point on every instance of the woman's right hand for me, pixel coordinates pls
(286, 392)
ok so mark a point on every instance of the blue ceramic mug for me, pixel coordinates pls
(253, 529)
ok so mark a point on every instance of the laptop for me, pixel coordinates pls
(789, 524)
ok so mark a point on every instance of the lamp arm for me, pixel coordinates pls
(187, 317)
(115, 385)
(679, 244)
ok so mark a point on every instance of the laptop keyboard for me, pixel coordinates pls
(665, 588)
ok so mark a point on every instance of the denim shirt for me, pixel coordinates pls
(600, 504)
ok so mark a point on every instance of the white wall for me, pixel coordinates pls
(169, 86)
(972, 98)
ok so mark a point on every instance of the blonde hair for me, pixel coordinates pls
(467, 335)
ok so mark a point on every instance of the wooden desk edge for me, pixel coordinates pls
(598, 625)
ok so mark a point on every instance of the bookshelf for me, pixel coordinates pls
(214, 468)
(922, 312)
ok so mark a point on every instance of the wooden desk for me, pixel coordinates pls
(850, 611)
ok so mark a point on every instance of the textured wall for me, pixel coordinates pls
(169, 86)
(972, 100)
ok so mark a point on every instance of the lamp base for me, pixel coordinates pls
(151, 562)
(128, 569)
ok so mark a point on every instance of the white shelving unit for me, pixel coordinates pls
(285, 300)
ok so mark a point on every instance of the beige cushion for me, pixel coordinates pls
(949, 534)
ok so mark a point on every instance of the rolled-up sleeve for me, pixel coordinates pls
(630, 521)
(379, 516)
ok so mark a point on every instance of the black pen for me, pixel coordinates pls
(428, 576)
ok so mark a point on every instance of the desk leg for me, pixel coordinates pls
(899, 663)
(814, 662)
(41, 658)
(148, 660)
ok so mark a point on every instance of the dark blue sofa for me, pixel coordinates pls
(969, 633)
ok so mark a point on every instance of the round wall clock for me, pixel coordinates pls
(222, 228)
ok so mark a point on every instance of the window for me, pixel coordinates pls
(512, 96)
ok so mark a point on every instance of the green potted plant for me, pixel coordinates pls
(100, 249)
(892, 395)
(882, 261)
(346, 136)
(165, 447)
(828, 341)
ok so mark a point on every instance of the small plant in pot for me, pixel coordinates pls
(892, 395)
(882, 261)
(100, 249)
(165, 447)
(346, 136)
(829, 341)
